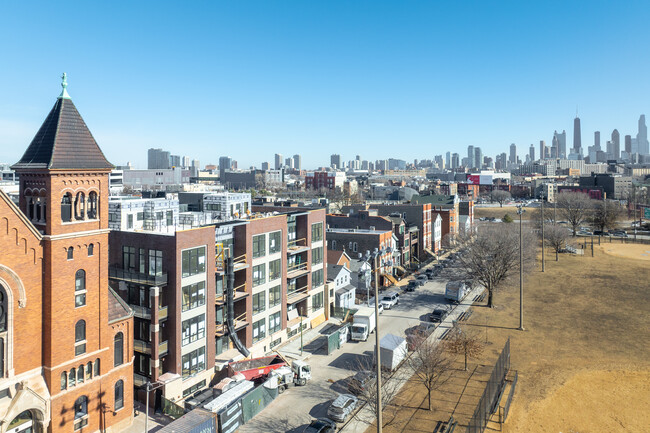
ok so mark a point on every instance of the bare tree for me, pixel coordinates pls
(368, 394)
(464, 342)
(575, 207)
(606, 214)
(556, 236)
(430, 364)
(500, 196)
(491, 256)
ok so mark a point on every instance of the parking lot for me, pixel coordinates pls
(294, 409)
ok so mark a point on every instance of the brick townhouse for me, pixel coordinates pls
(65, 337)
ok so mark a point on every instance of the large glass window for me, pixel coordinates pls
(155, 262)
(193, 362)
(317, 301)
(193, 295)
(118, 349)
(291, 228)
(259, 246)
(119, 395)
(317, 232)
(259, 330)
(317, 278)
(275, 323)
(259, 302)
(222, 344)
(128, 258)
(80, 288)
(81, 412)
(275, 296)
(275, 242)
(193, 329)
(317, 255)
(259, 274)
(193, 261)
(275, 269)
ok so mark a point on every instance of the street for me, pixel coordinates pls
(294, 409)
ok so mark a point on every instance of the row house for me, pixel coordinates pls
(66, 353)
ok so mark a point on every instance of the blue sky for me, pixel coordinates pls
(402, 79)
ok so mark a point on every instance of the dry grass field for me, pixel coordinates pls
(583, 360)
(499, 212)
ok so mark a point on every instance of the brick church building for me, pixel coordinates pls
(66, 343)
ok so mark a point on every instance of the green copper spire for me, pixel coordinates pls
(64, 84)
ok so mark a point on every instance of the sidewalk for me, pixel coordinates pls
(156, 421)
(310, 343)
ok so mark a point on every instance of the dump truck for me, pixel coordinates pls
(258, 369)
(297, 375)
(455, 291)
(363, 324)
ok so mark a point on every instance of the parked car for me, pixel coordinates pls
(411, 286)
(380, 306)
(422, 278)
(438, 315)
(342, 407)
(390, 299)
(618, 233)
(321, 425)
(361, 381)
(600, 233)
(416, 334)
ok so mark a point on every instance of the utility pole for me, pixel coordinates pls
(520, 211)
(543, 263)
(379, 405)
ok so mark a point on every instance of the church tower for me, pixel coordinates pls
(87, 330)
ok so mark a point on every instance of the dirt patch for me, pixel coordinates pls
(628, 251)
(499, 212)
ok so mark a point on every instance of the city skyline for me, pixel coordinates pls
(320, 79)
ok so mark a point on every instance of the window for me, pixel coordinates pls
(259, 246)
(275, 242)
(333, 244)
(275, 269)
(139, 216)
(291, 228)
(155, 262)
(118, 349)
(64, 380)
(80, 374)
(317, 232)
(119, 395)
(81, 412)
(259, 274)
(259, 330)
(193, 362)
(317, 255)
(317, 302)
(129, 221)
(193, 329)
(221, 344)
(170, 217)
(193, 261)
(72, 377)
(89, 371)
(128, 258)
(70, 253)
(80, 288)
(275, 323)
(193, 295)
(96, 365)
(219, 286)
(259, 302)
(141, 364)
(275, 296)
(3, 316)
(317, 278)
(66, 208)
(92, 205)
(192, 389)
(80, 338)
(355, 247)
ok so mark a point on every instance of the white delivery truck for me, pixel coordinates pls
(363, 324)
(393, 350)
(455, 291)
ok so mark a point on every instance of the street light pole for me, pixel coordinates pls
(379, 405)
(520, 211)
(543, 262)
(148, 388)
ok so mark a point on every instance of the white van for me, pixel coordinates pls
(389, 299)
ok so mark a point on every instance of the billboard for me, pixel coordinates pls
(646, 213)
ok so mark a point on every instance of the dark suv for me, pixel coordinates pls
(438, 315)
(321, 425)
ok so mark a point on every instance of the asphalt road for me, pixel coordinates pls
(297, 406)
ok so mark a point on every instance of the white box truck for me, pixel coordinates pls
(393, 350)
(363, 324)
(455, 291)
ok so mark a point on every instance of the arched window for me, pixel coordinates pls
(81, 412)
(3, 309)
(30, 208)
(80, 288)
(66, 208)
(70, 253)
(80, 338)
(80, 206)
(64, 380)
(96, 372)
(92, 205)
(119, 394)
(80, 374)
(72, 377)
(89, 371)
(91, 250)
(118, 350)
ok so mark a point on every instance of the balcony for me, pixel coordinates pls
(142, 347)
(239, 263)
(163, 348)
(297, 295)
(141, 312)
(240, 322)
(132, 276)
(139, 380)
(297, 271)
(240, 293)
(163, 313)
(297, 246)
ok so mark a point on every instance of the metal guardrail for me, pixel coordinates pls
(142, 347)
(163, 313)
(132, 276)
(141, 312)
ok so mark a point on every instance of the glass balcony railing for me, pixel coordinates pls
(132, 276)
(163, 348)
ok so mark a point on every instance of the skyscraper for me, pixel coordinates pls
(288, 162)
(478, 158)
(448, 159)
(542, 149)
(597, 140)
(513, 154)
(297, 162)
(157, 159)
(531, 152)
(561, 145)
(225, 163)
(616, 144)
(555, 146)
(278, 161)
(642, 137)
(470, 157)
(335, 161)
(577, 137)
(455, 160)
(628, 145)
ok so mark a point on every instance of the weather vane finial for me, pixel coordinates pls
(64, 84)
